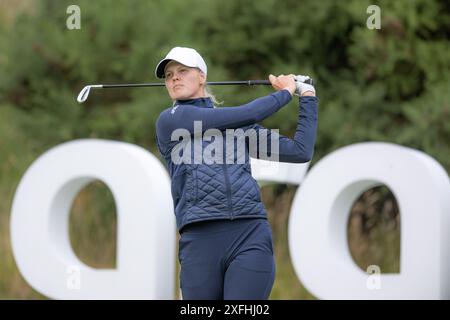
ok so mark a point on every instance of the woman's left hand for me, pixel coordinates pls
(283, 82)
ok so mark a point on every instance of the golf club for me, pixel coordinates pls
(84, 93)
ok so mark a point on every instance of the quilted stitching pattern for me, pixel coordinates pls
(203, 191)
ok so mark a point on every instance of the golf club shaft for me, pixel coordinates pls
(217, 83)
(85, 92)
(248, 82)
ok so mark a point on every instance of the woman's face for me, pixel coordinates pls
(183, 82)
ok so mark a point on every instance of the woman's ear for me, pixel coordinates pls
(202, 78)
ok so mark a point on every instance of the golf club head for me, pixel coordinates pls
(84, 93)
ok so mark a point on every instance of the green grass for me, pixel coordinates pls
(278, 200)
(15, 157)
(93, 226)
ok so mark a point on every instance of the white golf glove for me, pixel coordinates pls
(302, 86)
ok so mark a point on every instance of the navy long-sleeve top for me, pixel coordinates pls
(221, 190)
(185, 112)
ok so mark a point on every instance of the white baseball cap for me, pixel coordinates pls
(187, 56)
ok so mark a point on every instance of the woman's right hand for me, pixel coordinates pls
(283, 82)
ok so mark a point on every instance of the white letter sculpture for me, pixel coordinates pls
(145, 222)
(321, 207)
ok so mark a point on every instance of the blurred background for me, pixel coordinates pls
(389, 84)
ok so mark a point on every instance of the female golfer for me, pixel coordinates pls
(225, 246)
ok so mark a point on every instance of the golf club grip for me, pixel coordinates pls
(250, 82)
(267, 82)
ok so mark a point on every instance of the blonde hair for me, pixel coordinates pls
(208, 94)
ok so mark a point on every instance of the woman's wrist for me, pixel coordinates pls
(290, 89)
(308, 93)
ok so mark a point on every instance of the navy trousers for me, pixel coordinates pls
(227, 259)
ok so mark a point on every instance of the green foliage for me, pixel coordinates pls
(387, 84)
